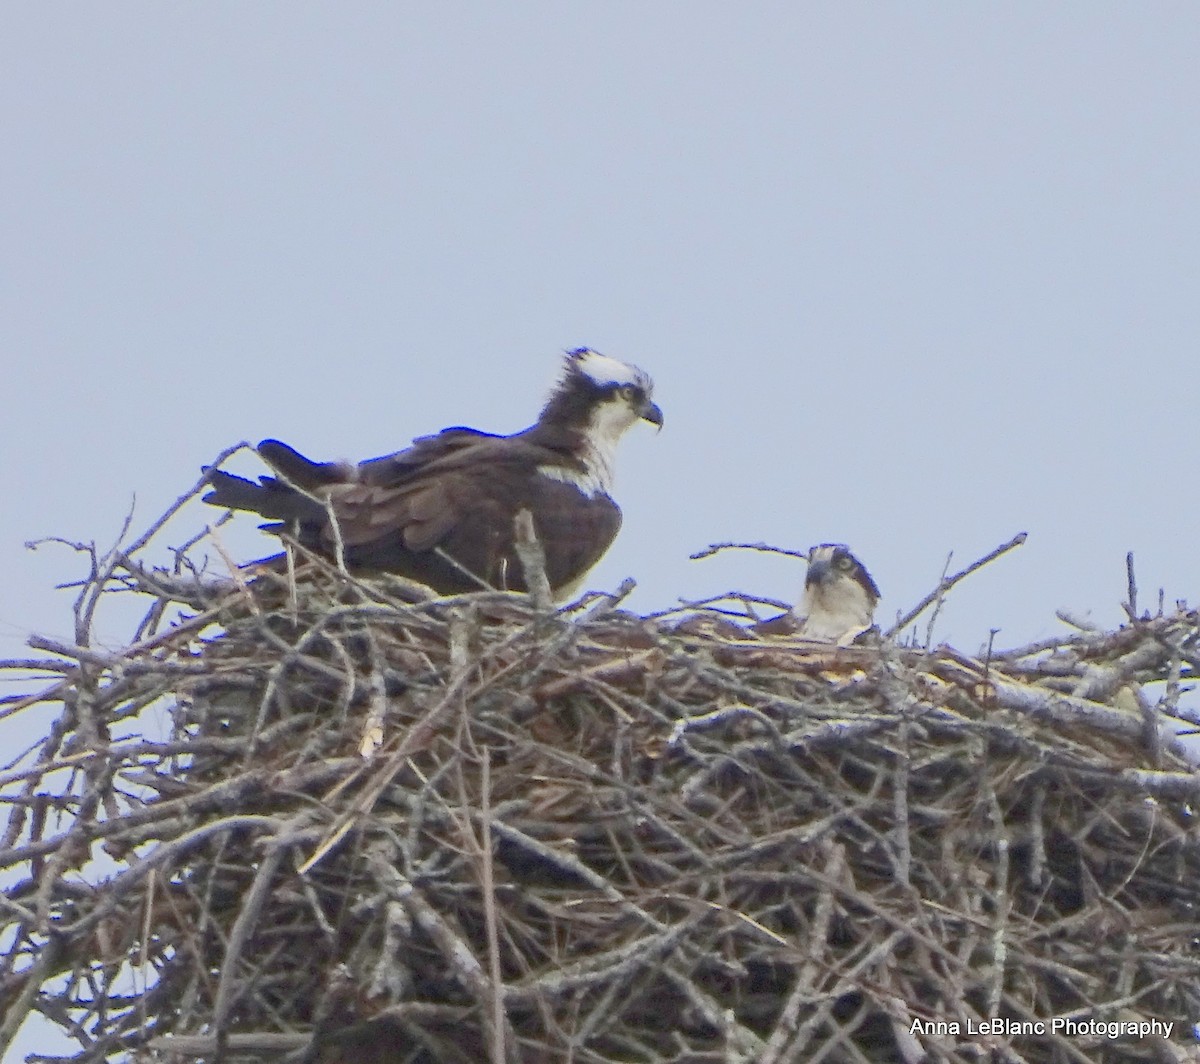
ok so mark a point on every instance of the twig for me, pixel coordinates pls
(488, 886)
(183, 499)
(766, 548)
(1132, 590)
(242, 928)
(946, 583)
(533, 561)
(805, 983)
(938, 602)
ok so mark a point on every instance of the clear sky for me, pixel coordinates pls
(914, 277)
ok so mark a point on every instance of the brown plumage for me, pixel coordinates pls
(442, 510)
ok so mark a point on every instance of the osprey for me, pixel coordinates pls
(839, 596)
(442, 511)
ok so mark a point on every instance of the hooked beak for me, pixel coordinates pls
(650, 412)
(819, 572)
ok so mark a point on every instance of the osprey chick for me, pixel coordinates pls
(839, 596)
(441, 511)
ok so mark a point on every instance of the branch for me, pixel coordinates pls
(766, 548)
(947, 582)
(533, 561)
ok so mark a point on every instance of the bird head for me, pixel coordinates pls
(839, 594)
(602, 396)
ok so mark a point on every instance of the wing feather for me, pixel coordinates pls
(457, 492)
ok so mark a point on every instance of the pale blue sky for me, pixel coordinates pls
(910, 276)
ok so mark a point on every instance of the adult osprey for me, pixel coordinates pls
(839, 596)
(442, 511)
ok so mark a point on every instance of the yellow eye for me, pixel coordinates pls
(844, 562)
(628, 392)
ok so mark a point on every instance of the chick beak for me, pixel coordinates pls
(819, 572)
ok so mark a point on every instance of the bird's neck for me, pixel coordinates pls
(589, 454)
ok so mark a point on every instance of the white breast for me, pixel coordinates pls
(836, 613)
(588, 482)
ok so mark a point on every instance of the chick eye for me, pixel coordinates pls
(843, 562)
(628, 392)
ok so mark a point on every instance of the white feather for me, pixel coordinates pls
(589, 484)
(610, 421)
(604, 370)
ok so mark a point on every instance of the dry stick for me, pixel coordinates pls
(377, 700)
(1083, 624)
(102, 570)
(179, 503)
(335, 527)
(15, 1012)
(847, 981)
(533, 561)
(180, 552)
(1168, 705)
(144, 951)
(938, 603)
(242, 928)
(203, 1045)
(126, 880)
(489, 910)
(450, 560)
(901, 833)
(600, 603)
(707, 605)
(437, 926)
(818, 936)
(482, 846)
(417, 734)
(37, 665)
(1001, 900)
(82, 653)
(946, 583)
(765, 548)
(89, 597)
(1152, 723)
(1131, 583)
(420, 730)
(620, 962)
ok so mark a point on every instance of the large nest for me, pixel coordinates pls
(374, 827)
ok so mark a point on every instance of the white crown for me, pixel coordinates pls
(607, 371)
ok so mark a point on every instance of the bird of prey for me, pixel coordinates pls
(442, 511)
(839, 596)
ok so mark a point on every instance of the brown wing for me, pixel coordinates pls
(420, 513)
(426, 451)
(450, 496)
(464, 505)
(425, 491)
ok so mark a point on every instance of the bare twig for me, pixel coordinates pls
(765, 548)
(533, 561)
(946, 583)
(1131, 609)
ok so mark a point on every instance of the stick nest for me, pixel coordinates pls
(331, 824)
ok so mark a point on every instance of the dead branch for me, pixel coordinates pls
(765, 548)
(947, 582)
